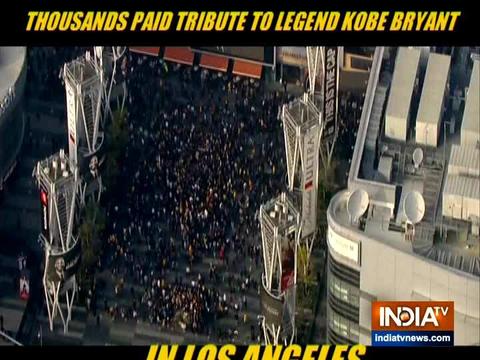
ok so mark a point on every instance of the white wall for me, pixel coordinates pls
(469, 137)
(396, 128)
(426, 134)
(390, 274)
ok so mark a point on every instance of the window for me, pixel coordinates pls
(344, 291)
(343, 327)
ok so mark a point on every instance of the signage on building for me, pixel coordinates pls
(91, 165)
(45, 214)
(343, 246)
(62, 266)
(330, 92)
(293, 55)
(71, 121)
(309, 181)
(272, 308)
(288, 266)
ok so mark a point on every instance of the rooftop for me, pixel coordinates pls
(431, 101)
(81, 71)
(385, 169)
(55, 168)
(12, 59)
(464, 160)
(403, 82)
(280, 212)
(303, 112)
(471, 114)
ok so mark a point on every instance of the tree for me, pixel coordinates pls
(91, 229)
(117, 138)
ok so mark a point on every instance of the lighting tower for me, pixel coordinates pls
(302, 132)
(106, 59)
(323, 64)
(85, 90)
(280, 229)
(315, 57)
(58, 183)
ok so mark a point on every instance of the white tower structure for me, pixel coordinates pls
(58, 183)
(85, 90)
(323, 64)
(302, 131)
(315, 59)
(106, 59)
(280, 228)
(310, 130)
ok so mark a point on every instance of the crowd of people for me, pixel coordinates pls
(349, 112)
(204, 151)
(45, 67)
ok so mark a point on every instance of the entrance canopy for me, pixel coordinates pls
(244, 68)
(214, 62)
(153, 51)
(181, 55)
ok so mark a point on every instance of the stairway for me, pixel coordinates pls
(431, 192)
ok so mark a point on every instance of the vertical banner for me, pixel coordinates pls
(45, 212)
(61, 267)
(288, 265)
(330, 92)
(310, 180)
(91, 165)
(288, 280)
(272, 308)
(71, 120)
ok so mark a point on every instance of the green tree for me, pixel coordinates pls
(117, 138)
(91, 230)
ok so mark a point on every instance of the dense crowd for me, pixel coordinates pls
(349, 112)
(204, 151)
(45, 66)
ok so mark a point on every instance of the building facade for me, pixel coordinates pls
(13, 71)
(383, 257)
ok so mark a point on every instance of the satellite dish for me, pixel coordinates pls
(414, 207)
(357, 204)
(417, 157)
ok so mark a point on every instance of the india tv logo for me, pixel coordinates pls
(412, 323)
